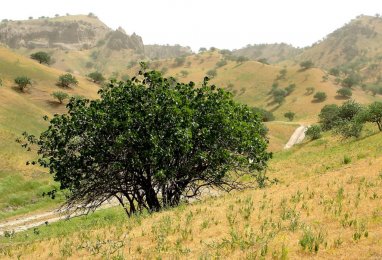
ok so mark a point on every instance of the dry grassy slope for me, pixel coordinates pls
(252, 82)
(21, 186)
(273, 53)
(357, 42)
(319, 199)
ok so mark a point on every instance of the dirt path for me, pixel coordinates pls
(26, 222)
(297, 137)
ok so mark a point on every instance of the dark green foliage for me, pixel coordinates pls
(374, 114)
(320, 96)
(263, 60)
(41, 57)
(265, 115)
(241, 59)
(60, 96)
(96, 77)
(351, 80)
(347, 129)
(290, 115)
(334, 72)
(329, 116)
(290, 89)
(306, 64)
(221, 63)
(349, 110)
(150, 142)
(212, 73)
(314, 132)
(202, 49)
(345, 92)
(282, 74)
(22, 82)
(67, 80)
(179, 61)
(184, 73)
(279, 96)
(1, 82)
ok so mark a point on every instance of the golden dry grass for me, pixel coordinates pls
(336, 206)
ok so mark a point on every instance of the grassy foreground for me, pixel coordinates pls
(327, 204)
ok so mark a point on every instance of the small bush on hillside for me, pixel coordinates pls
(374, 114)
(320, 96)
(329, 116)
(1, 82)
(60, 96)
(263, 61)
(96, 77)
(334, 72)
(351, 80)
(184, 73)
(306, 64)
(22, 82)
(314, 132)
(265, 115)
(279, 96)
(282, 74)
(346, 159)
(202, 49)
(41, 57)
(179, 61)
(290, 89)
(309, 90)
(221, 63)
(290, 115)
(241, 59)
(67, 80)
(345, 92)
(212, 73)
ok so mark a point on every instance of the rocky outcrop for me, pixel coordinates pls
(119, 40)
(71, 33)
(46, 33)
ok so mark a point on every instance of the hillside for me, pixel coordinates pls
(251, 83)
(21, 186)
(271, 53)
(355, 46)
(320, 207)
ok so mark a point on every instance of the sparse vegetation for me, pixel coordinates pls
(67, 80)
(41, 57)
(320, 96)
(60, 96)
(22, 82)
(306, 64)
(314, 132)
(290, 115)
(96, 77)
(345, 92)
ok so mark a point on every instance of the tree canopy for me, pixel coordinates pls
(41, 57)
(150, 142)
(22, 82)
(67, 80)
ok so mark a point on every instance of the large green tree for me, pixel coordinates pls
(150, 142)
(22, 82)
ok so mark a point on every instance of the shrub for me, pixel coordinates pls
(96, 77)
(290, 89)
(320, 96)
(41, 57)
(346, 159)
(221, 63)
(184, 73)
(212, 73)
(345, 92)
(374, 114)
(265, 115)
(290, 115)
(306, 64)
(279, 95)
(351, 81)
(60, 96)
(149, 152)
(67, 80)
(309, 90)
(314, 132)
(22, 82)
(329, 116)
(179, 61)
(334, 72)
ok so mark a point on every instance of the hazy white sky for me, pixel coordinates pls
(204, 23)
